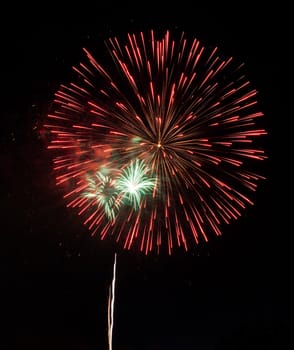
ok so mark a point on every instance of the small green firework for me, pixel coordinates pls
(101, 187)
(135, 182)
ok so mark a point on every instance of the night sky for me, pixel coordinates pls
(232, 293)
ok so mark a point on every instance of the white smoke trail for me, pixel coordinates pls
(111, 298)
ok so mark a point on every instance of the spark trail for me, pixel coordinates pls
(111, 300)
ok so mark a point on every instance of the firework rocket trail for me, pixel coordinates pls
(187, 115)
(111, 299)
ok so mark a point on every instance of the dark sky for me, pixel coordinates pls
(233, 293)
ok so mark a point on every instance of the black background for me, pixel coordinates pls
(233, 293)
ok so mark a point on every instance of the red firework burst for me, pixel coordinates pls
(178, 111)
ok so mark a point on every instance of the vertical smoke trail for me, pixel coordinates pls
(111, 297)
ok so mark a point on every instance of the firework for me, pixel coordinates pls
(157, 148)
(101, 188)
(134, 183)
